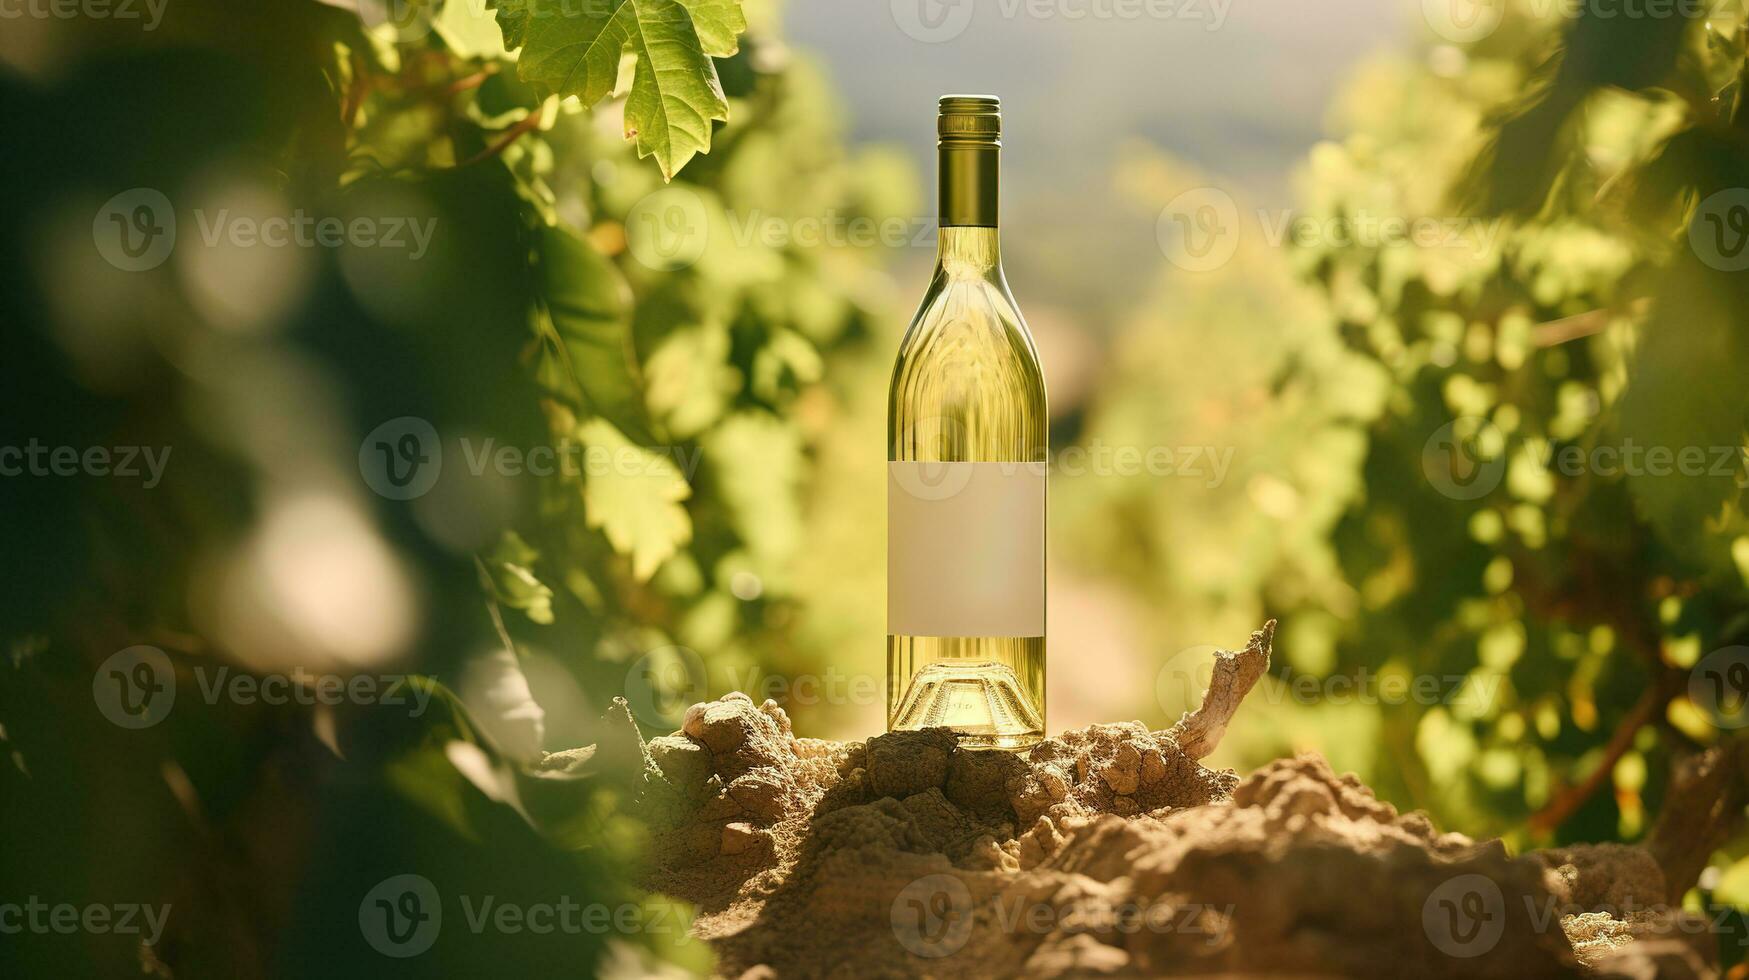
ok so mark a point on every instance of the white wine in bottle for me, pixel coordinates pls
(966, 441)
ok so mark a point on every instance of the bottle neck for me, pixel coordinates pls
(965, 252)
(966, 241)
(967, 180)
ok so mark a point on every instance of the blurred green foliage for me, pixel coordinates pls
(1418, 490)
(1395, 414)
(573, 300)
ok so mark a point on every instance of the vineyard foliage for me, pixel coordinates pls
(1460, 451)
(558, 447)
(613, 430)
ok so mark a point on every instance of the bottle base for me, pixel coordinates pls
(982, 700)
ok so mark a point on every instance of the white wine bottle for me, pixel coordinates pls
(966, 442)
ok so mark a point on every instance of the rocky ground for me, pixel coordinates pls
(1113, 851)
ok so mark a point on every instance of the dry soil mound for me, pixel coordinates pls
(1111, 851)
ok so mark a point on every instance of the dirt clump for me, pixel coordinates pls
(1108, 851)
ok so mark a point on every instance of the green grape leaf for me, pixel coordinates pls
(512, 20)
(1683, 396)
(675, 93)
(633, 496)
(690, 380)
(758, 465)
(588, 322)
(514, 582)
(787, 358)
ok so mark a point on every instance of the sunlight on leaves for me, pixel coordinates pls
(633, 496)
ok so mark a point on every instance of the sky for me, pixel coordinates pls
(1237, 89)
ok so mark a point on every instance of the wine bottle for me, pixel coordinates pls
(966, 434)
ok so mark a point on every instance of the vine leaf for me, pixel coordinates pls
(634, 496)
(758, 466)
(576, 49)
(1681, 398)
(513, 581)
(587, 323)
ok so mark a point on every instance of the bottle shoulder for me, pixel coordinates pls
(963, 321)
(967, 384)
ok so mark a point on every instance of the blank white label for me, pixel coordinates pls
(966, 549)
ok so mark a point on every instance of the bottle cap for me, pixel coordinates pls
(969, 120)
